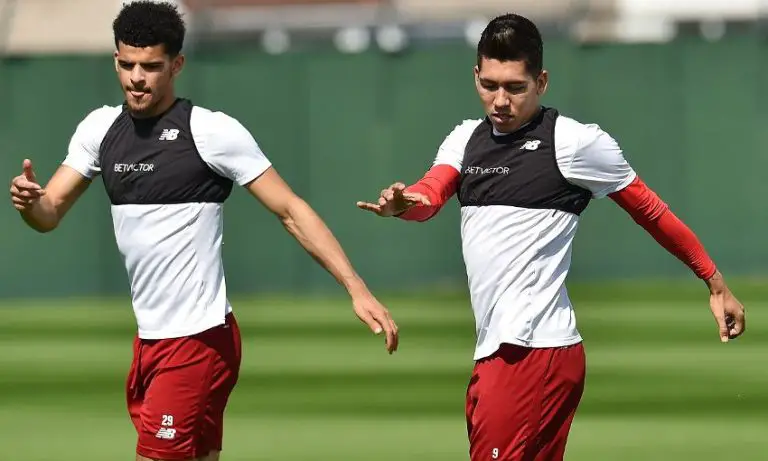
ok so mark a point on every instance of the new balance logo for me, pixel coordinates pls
(169, 135)
(531, 145)
(166, 433)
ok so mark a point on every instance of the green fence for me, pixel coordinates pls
(691, 117)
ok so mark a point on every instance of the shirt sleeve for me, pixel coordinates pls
(440, 182)
(590, 158)
(227, 146)
(83, 151)
(649, 211)
(451, 151)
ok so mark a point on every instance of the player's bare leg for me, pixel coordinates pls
(212, 456)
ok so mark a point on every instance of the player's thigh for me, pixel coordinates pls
(134, 392)
(225, 373)
(173, 409)
(521, 402)
(183, 403)
(563, 390)
(504, 404)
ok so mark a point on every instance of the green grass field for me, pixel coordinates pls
(316, 386)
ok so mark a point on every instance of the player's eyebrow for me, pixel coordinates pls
(504, 83)
(126, 62)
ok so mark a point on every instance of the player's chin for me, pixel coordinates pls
(504, 122)
(139, 107)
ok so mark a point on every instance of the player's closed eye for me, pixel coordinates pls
(490, 86)
(516, 88)
(149, 67)
(153, 66)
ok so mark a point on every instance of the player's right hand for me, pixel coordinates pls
(371, 312)
(394, 200)
(25, 191)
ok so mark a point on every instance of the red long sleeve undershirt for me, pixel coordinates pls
(638, 200)
(649, 211)
(438, 185)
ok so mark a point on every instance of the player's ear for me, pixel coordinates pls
(542, 82)
(117, 66)
(177, 65)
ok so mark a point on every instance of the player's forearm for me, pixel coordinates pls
(311, 232)
(650, 212)
(42, 217)
(421, 213)
(678, 239)
(438, 185)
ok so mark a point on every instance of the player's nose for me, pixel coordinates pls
(137, 76)
(501, 100)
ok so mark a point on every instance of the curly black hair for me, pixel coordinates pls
(144, 23)
(512, 37)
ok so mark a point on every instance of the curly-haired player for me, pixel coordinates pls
(168, 166)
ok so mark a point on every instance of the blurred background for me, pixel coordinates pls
(346, 97)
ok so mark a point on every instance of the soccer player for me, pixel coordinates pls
(168, 166)
(523, 175)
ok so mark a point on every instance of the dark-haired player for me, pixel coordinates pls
(168, 166)
(523, 175)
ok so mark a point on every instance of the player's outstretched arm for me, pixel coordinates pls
(650, 212)
(590, 158)
(230, 150)
(424, 199)
(44, 208)
(311, 232)
(417, 202)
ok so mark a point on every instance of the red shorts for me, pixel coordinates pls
(521, 402)
(178, 388)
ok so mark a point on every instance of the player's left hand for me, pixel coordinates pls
(728, 311)
(371, 312)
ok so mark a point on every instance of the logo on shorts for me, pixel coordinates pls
(166, 432)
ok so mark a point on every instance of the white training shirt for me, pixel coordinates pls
(172, 252)
(517, 258)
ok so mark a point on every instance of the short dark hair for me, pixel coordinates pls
(512, 37)
(144, 23)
